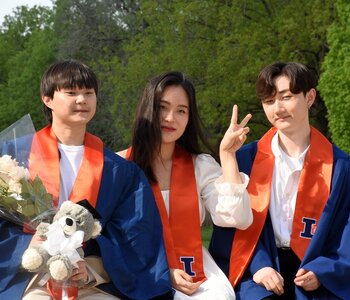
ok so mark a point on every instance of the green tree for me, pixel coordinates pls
(221, 45)
(335, 78)
(94, 32)
(16, 30)
(29, 47)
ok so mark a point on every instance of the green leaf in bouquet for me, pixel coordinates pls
(37, 196)
(45, 198)
(11, 210)
(26, 208)
(9, 202)
(27, 190)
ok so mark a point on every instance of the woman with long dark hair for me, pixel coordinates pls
(166, 144)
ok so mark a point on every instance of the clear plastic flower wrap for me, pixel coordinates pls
(23, 196)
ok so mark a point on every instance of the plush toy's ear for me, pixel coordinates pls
(96, 229)
(67, 205)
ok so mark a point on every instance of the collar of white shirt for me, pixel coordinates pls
(293, 163)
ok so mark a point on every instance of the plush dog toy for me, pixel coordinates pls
(72, 225)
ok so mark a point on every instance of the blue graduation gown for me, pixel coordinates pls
(328, 254)
(131, 243)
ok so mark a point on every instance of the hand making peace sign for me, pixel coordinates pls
(236, 134)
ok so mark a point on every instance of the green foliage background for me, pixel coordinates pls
(335, 81)
(221, 45)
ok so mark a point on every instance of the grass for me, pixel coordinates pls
(206, 235)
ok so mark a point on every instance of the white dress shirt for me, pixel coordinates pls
(284, 188)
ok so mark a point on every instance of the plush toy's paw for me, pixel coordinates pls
(42, 229)
(33, 260)
(60, 268)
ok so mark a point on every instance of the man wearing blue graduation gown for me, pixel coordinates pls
(135, 261)
(131, 244)
(327, 256)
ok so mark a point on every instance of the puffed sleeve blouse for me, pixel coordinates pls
(227, 203)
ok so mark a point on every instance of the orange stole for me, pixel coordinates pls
(318, 161)
(181, 229)
(44, 162)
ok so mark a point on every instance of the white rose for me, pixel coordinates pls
(7, 164)
(19, 173)
(4, 179)
(15, 187)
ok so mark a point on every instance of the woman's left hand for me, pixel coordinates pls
(236, 134)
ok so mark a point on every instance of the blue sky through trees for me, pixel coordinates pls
(6, 7)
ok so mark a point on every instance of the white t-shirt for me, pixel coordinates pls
(70, 162)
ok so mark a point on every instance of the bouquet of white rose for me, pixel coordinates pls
(23, 201)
